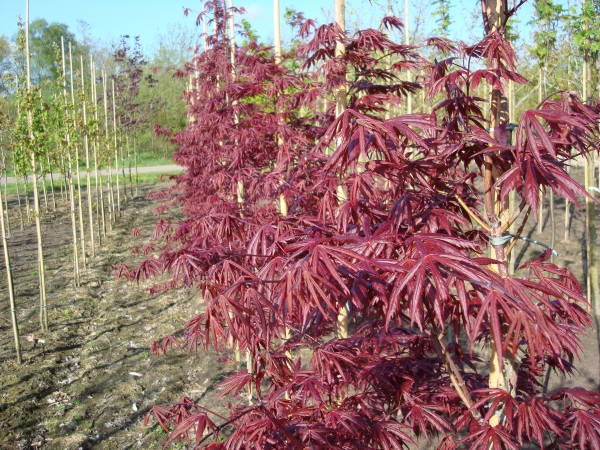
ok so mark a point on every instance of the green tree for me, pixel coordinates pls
(43, 37)
(6, 63)
(442, 15)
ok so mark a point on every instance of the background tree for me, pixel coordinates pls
(43, 37)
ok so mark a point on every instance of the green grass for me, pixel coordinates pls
(143, 178)
(146, 158)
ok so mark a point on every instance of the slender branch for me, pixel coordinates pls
(514, 217)
(455, 376)
(472, 214)
(518, 234)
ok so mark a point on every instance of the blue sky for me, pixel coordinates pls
(111, 18)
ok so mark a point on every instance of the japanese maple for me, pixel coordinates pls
(384, 221)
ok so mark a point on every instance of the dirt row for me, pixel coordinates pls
(89, 382)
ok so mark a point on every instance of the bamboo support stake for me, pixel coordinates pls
(111, 194)
(77, 174)
(11, 289)
(51, 183)
(87, 161)
(567, 213)
(19, 199)
(590, 212)
(340, 107)
(6, 194)
(129, 165)
(27, 205)
(69, 173)
(500, 377)
(135, 155)
(36, 200)
(116, 151)
(540, 220)
(99, 201)
(407, 42)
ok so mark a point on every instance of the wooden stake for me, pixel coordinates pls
(11, 289)
(36, 200)
(69, 172)
(87, 161)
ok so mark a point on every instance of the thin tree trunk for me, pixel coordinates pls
(8, 233)
(44, 189)
(36, 200)
(103, 218)
(129, 165)
(111, 197)
(27, 205)
(76, 272)
(124, 178)
(137, 181)
(11, 290)
(77, 174)
(38, 227)
(87, 162)
(62, 179)
(68, 171)
(499, 377)
(590, 216)
(51, 184)
(116, 151)
(99, 201)
(19, 200)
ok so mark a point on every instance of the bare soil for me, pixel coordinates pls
(89, 381)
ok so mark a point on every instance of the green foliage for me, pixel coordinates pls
(586, 28)
(43, 36)
(249, 31)
(442, 14)
(5, 63)
(548, 17)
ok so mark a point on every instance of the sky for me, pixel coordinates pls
(109, 19)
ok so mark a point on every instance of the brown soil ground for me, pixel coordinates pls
(90, 384)
(92, 380)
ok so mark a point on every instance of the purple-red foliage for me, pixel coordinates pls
(374, 226)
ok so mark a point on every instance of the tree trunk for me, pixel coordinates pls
(69, 173)
(6, 194)
(135, 155)
(116, 151)
(51, 184)
(590, 216)
(499, 377)
(38, 225)
(19, 199)
(27, 205)
(77, 174)
(87, 161)
(95, 144)
(111, 196)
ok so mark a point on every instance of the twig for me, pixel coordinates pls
(519, 231)
(514, 217)
(472, 214)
